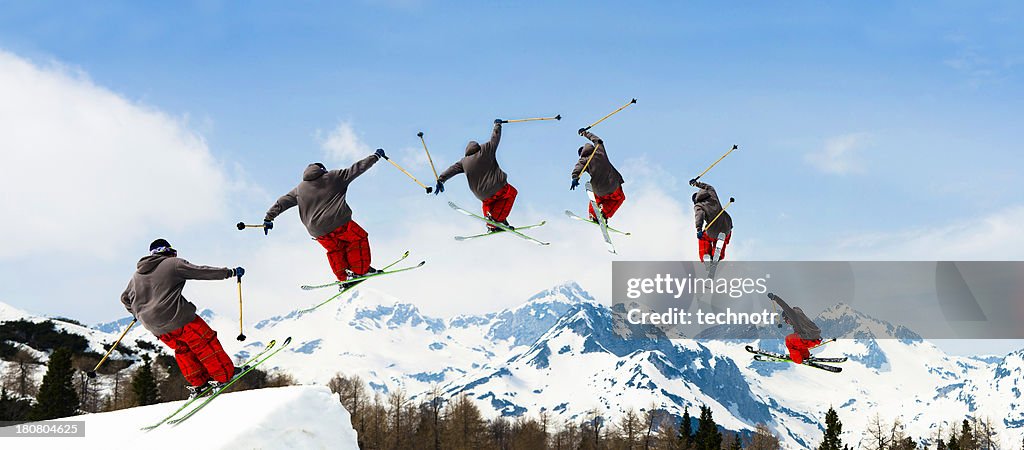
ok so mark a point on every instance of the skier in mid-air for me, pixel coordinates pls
(605, 180)
(706, 207)
(486, 179)
(153, 297)
(806, 335)
(324, 211)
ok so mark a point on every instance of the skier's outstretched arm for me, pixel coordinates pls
(128, 297)
(491, 146)
(598, 142)
(450, 172)
(782, 304)
(578, 169)
(281, 205)
(191, 271)
(360, 167)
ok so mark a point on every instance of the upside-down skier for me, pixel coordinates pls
(327, 216)
(153, 297)
(605, 179)
(707, 209)
(486, 179)
(806, 334)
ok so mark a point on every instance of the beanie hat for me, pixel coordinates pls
(161, 246)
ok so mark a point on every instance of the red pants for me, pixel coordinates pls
(199, 353)
(499, 205)
(608, 203)
(800, 349)
(348, 247)
(707, 245)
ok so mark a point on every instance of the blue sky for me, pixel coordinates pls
(865, 132)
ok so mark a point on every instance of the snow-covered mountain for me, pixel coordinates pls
(563, 352)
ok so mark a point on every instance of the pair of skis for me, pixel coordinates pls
(816, 362)
(209, 393)
(351, 283)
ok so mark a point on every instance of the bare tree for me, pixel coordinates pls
(763, 439)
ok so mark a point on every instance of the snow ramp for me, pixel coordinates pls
(293, 417)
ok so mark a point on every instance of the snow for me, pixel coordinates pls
(294, 417)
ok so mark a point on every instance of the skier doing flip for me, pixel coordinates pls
(324, 211)
(605, 180)
(806, 335)
(486, 179)
(706, 207)
(153, 297)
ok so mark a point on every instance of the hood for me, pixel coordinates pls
(313, 171)
(586, 150)
(701, 196)
(148, 263)
(472, 148)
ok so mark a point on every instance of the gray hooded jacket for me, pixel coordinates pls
(706, 206)
(604, 178)
(480, 165)
(321, 197)
(153, 295)
(802, 325)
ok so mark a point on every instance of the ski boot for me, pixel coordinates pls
(194, 391)
(494, 229)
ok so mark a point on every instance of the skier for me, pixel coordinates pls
(806, 335)
(153, 297)
(706, 208)
(604, 178)
(486, 179)
(328, 218)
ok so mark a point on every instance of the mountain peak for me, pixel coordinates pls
(567, 292)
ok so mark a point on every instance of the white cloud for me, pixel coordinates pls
(994, 237)
(85, 170)
(342, 145)
(839, 154)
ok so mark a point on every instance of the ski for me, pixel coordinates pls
(353, 282)
(815, 363)
(308, 287)
(601, 222)
(575, 216)
(839, 360)
(497, 224)
(207, 390)
(217, 392)
(527, 227)
(716, 255)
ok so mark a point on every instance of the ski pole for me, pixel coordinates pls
(92, 373)
(734, 147)
(420, 134)
(242, 225)
(719, 213)
(241, 334)
(558, 117)
(425, 187)
(611, 114)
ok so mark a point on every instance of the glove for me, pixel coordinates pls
(693, 181)
(575, 183)
(700, 234)
(499, 121)
(380, 153)
(772, 296)
(581, 131)
(267, 226)
(438, 188)
(237, 272)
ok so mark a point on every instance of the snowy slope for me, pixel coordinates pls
(296, 417)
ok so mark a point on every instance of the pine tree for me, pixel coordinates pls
(686, 430)
(144, 386)
(708, 437)
(12, 408)
(833, 428)
(967, 440)
(57, 397)
(736, 442)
